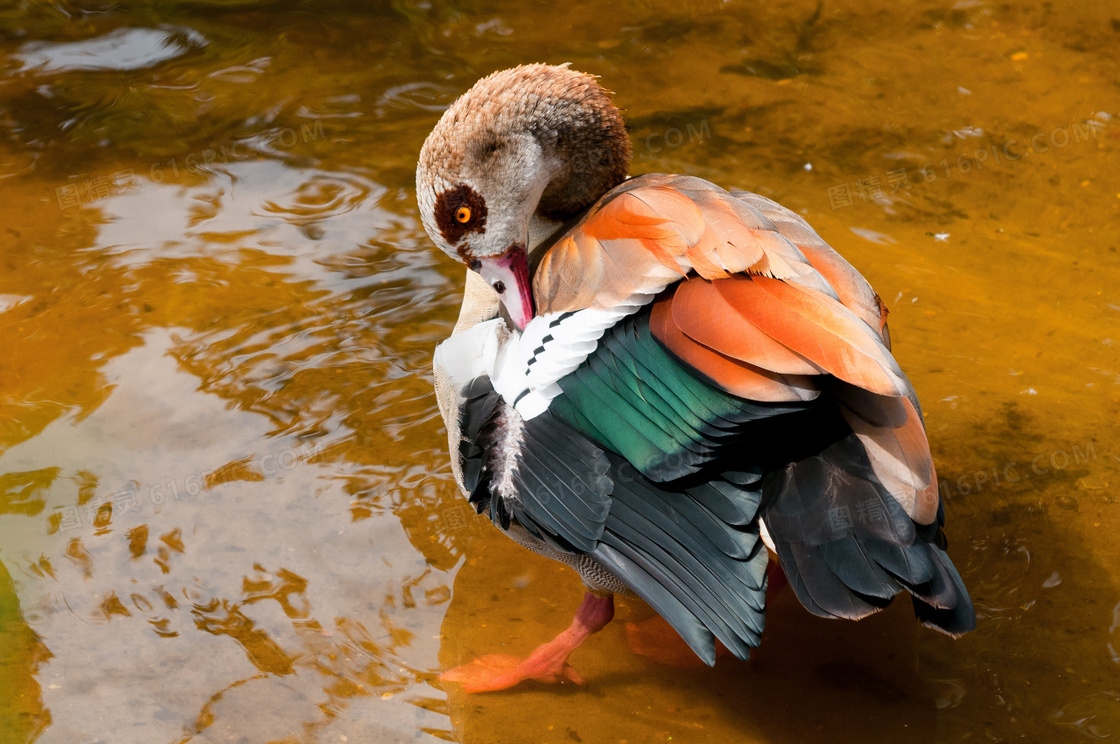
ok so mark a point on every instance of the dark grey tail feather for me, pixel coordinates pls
(911, 564)
(850, 559)
(661, 599)
(953, 615)
(692, 583)
(847, 547)
(706, 575)
(819, 589)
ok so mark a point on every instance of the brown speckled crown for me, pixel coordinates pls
(568, 112)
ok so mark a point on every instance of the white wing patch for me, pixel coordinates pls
(473, 352)
(524, 368)
(551, 347)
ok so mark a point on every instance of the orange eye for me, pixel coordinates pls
(463, 215)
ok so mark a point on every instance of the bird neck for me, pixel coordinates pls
(542, 230)
(586, 151)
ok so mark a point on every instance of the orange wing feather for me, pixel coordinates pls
(817, 327)
(704, 314)
(732, 375)
(850, 286)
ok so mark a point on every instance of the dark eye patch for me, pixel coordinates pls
(448, 202)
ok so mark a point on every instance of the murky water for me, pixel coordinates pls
(226, 513)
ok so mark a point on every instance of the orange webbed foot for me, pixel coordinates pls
(549, 663)
(500, 672)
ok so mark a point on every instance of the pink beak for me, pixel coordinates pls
(508, 274)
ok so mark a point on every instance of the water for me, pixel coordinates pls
(226, 513)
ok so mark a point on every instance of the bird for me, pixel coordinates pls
(667, 386)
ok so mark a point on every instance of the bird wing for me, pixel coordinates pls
(762, 308)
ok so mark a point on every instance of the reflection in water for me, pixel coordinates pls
(225, 507)
(135, 581)
(123, 49)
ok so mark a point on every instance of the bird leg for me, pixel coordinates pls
(548, 663)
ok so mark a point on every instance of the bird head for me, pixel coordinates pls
(520, 153)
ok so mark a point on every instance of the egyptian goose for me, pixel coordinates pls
(653, 380)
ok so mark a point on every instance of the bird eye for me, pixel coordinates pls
(459, 211)
(499, 286)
